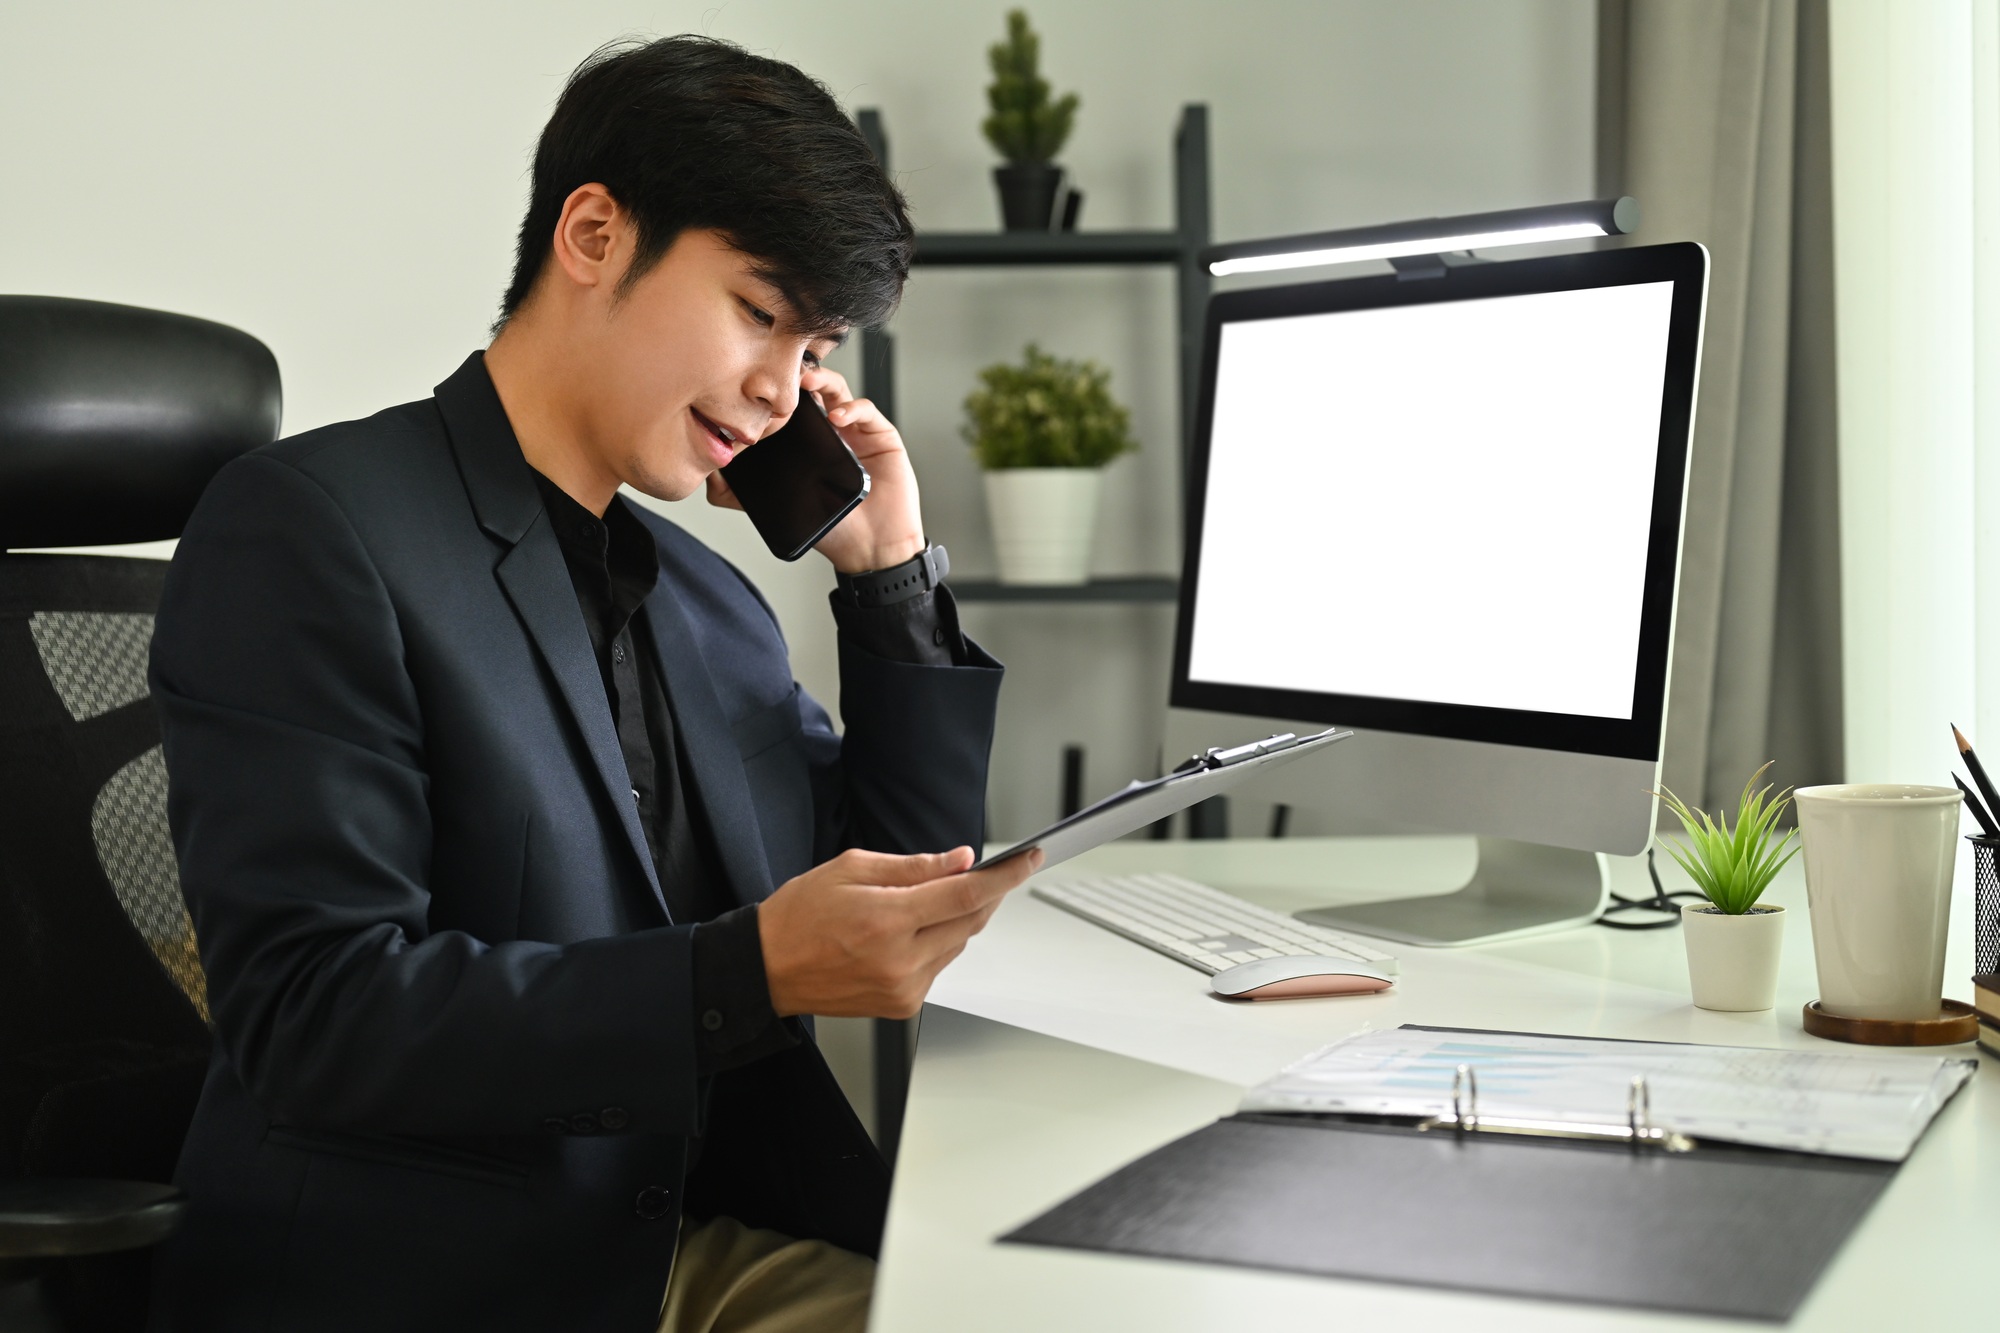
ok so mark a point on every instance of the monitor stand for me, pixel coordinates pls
(1519, 888)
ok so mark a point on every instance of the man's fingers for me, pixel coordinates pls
(719, 493)
(830, 385)
(940, 963)
(954, 933)
(856, 412)
(960, 895)
(898, 872)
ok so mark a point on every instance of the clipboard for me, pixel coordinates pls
(1142, 803)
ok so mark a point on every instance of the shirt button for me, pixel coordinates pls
(636, 796)
(937, 636)
(614, 1118)
(654, 1202)
(618, 652)
(712, 1020)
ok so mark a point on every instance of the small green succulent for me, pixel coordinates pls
(1025, 125)
(1733, 867)
(1046, 412)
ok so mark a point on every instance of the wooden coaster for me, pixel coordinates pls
(1958, 1022)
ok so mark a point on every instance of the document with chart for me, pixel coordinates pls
(1847, 1104)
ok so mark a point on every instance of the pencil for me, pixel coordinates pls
(1977, 769)
(1978, 810)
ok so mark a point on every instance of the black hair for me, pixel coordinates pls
(695, 133)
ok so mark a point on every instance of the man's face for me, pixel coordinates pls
(696, 361)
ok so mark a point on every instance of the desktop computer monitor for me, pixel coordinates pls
(1446, 511)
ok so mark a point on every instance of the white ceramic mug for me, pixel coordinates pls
(1879, 861)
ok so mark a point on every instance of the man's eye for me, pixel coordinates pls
(764, 317)
(811, 360)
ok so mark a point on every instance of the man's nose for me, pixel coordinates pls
(776, 386)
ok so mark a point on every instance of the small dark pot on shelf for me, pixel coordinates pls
(1028, 194)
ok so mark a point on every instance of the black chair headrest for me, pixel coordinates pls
(113, 419)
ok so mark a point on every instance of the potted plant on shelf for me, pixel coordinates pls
(1043, 431)
(1733, 942)
(1026, 127)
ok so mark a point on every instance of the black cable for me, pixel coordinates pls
(1661, 901)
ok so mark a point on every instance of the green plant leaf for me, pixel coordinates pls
(1732, 866)
(1025, 126)
(1046, 412)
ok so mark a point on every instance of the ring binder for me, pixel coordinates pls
(1792, 1143)
(1638, 1129)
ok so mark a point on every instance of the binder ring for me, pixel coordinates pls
(1639, 1110)
(1465, 1112)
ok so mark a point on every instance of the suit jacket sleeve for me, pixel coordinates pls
(912, 759)
(295, 746)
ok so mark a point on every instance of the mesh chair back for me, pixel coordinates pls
(112, 421)
(98, 972)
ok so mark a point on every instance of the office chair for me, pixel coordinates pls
(112, 421)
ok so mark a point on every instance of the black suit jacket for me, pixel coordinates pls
(454, 1083)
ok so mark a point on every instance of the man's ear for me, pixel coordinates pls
(593, 240)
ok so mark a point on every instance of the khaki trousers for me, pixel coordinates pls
(729, 1278)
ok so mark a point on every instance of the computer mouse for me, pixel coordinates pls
(1297, 979)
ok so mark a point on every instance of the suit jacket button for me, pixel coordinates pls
(555, 1124)
(654, 1202)
(613, 1118)
(712, 1020)
(583, 1123)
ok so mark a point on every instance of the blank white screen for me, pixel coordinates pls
(1447, 503)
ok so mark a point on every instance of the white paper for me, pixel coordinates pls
(1846, 1104)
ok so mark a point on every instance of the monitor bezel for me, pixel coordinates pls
(1685, 264)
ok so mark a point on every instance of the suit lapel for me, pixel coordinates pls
(536, 581)
(720, 786)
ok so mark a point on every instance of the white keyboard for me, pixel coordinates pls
(1194, 924)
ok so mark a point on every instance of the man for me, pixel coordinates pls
(514, 853)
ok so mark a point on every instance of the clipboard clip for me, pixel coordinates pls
(1638, 1129)
(1218, 757)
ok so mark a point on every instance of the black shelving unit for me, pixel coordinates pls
(1179, 248)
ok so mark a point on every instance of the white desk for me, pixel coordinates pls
(1053, 1053)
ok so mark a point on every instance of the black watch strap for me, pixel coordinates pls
(919, 574)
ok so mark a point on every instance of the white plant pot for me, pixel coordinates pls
(1733, 960)
(1043, 520)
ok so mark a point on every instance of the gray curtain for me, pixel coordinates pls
(1714, 114)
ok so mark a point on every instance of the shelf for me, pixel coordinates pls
(1177, 249)
(1137, 589)
(966, 248)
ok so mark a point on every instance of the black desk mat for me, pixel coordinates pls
(1742, 1232)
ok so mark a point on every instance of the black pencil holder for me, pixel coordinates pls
(1985, 905)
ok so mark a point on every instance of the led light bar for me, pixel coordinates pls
(1431, 236)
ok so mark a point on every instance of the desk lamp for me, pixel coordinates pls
(1417, 249)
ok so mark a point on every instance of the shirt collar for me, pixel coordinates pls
(617, 549)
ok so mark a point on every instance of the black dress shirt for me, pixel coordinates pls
(613, 565)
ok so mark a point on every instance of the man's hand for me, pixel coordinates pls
(888, 527)
(863, 935)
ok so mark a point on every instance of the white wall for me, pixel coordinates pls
(1917, 234)
(344, 180)
(1916, 174)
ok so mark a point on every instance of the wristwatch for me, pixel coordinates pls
(919, 574)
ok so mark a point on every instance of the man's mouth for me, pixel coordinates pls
(725, 441)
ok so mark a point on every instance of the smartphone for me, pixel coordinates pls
(798, 482)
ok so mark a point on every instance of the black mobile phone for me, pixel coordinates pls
(798, 482)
